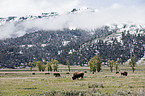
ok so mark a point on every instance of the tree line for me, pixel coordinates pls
(95, 65)
(96, 62)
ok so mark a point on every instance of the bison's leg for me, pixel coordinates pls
(73, 78)
(82, 76)
(126, 73)
(121, 73)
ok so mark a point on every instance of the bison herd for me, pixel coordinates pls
(77, 75)
(122, 73)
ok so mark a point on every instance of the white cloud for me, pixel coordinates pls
(115, 13)
(116, 5)
(34, 7)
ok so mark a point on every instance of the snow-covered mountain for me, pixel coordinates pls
(15, 19)
(74, 36)
(78, 18)
(14, 26)
(18, 26)
(133, 29)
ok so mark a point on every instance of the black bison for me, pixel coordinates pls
(124, 73)
(47, 73)
(33, 73)
(117, 72)
(57, 74)
(67, 72)
(77, 75)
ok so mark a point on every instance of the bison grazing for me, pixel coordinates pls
(124, 73)
(57, 74)
(67, 73)
(33, 73)
(77, 75)
(117, 72)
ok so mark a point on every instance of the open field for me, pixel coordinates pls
(22, 83)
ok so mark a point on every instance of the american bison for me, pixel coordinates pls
(124, 73)
(57, 74)
(117, 72)
(77, 75)
(47, 73)
(33, 73)
(67, 72)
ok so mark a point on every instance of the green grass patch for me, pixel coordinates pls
(102, 83)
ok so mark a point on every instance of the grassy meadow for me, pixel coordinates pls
(23, 83)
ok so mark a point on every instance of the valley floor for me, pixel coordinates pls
(22, 83)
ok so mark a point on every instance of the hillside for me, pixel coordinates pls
(53, 36)
(45, 45)
(78, 46)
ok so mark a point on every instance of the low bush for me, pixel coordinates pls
(64, 93)
(92, 92)
(92, 85)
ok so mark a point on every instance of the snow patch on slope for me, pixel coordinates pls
(65, 43)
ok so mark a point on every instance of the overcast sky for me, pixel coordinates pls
(36, 7)
(106, 12)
